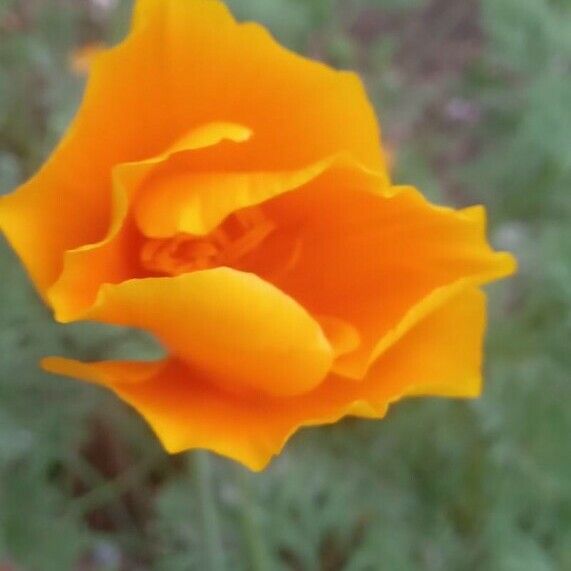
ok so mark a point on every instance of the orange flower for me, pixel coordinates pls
(231, 198)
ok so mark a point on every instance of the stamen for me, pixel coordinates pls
(247, 242)
(239, 234)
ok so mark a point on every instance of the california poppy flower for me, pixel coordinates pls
(231, 198)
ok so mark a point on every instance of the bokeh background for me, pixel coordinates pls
(474, 97)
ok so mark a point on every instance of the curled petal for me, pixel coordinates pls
(242, 332)
(214, 65)
(68, 202)
(178, 200)
(376, 260)
(440, 355)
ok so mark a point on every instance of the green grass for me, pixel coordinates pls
(475, 103)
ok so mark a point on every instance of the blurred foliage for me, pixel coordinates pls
(475, 102)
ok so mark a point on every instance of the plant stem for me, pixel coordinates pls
(202, 474)
(255, 545)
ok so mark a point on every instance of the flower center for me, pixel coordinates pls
(238, 235)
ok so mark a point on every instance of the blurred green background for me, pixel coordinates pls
(475, 102)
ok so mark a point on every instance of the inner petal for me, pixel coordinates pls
(242, 333)
(177, 199)
(368, 260)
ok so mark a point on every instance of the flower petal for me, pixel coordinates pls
(440, 355)
(179, 200)
(186, 412)
(373, 259)
(68, 202)
(217, 68)
(243, 333)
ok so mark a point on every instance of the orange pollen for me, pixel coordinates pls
(241, 233)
